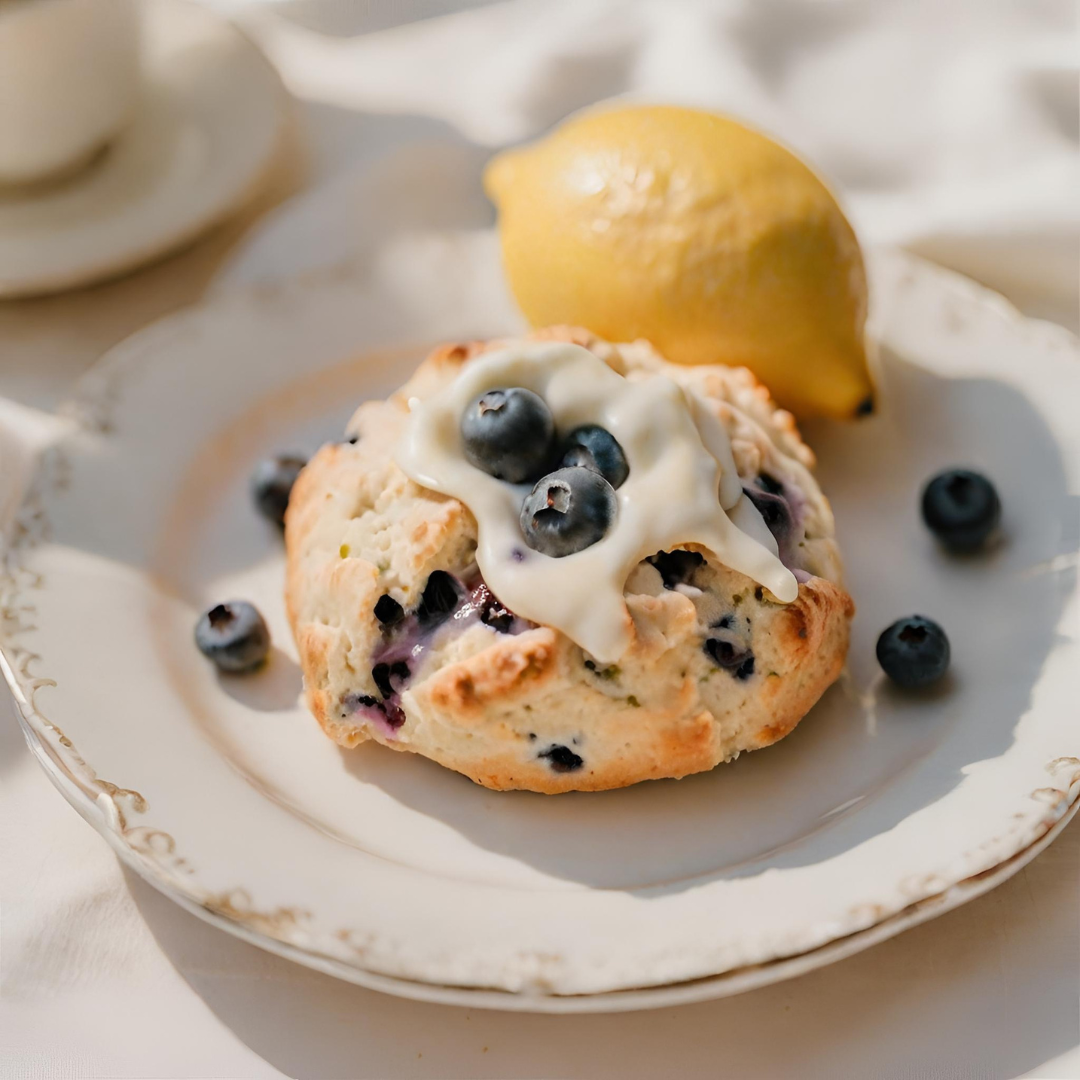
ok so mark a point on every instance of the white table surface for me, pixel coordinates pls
(101, 976)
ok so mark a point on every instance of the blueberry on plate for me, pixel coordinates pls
(509, 434)
(961, 508)
(568, 511)
(272, 484)
(234, 636)
(913, 652)
(594, 447)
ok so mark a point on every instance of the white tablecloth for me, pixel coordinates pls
(950, 126)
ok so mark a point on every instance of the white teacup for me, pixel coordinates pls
(69, 80)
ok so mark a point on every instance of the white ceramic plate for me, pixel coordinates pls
(879, 811)
(201, 141)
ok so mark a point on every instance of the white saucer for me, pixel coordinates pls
(209, 123)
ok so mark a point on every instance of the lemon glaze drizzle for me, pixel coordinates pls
(679, 456)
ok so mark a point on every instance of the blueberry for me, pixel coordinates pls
(596, 448)
(913, 651)
(493, 612)
(352, 702)
(509, 434)
(562, 758)
(773, 508)
(676, 567)
(568, 511)
(390, 678)
(388, 611)
(497, 617)
(769, 483)
(388, 711)
(961, 508)
(394, 713)
(439, 599)
(727, 650)
(272, 483)
(234, 636)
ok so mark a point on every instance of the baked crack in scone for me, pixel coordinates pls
(582, 657)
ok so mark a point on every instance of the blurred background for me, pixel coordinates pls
(949, 126)
(946, 126)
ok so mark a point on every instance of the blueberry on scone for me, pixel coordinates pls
(407, 643)
(562, 759)
(568, 511)
(676, 567)
(234, 635)
(728, 647)
(594, 447)
(767, 495)
(272, 483)
(388, 611)
(509, 434)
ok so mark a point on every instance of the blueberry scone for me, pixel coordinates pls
(558, 564)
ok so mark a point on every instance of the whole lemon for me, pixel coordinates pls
(691, 230)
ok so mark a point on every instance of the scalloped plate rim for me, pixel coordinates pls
(634, 999)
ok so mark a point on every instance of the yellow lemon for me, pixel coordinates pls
(691, 230)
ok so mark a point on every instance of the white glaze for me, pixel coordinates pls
(679, 457)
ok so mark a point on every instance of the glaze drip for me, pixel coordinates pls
(679, 459)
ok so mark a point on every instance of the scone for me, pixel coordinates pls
(442, 623)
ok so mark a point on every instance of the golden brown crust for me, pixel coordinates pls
(813, 636)
(493, 706)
